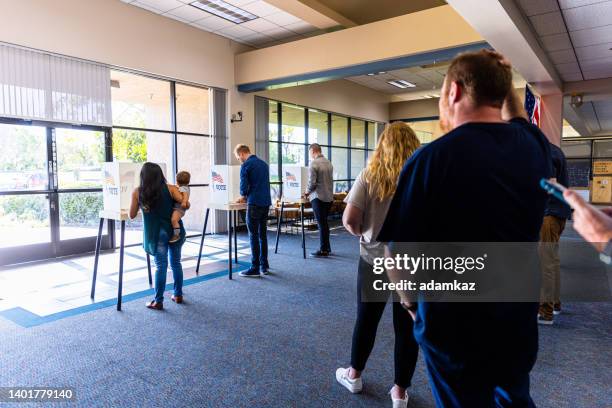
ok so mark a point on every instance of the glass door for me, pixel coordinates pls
(79, 155)
(25, 215)
(50, 190)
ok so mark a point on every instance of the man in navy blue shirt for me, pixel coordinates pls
(255, 191)
(477, 183)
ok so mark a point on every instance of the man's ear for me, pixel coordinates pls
(455, 93)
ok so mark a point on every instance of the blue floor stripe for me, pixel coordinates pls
(27, 319)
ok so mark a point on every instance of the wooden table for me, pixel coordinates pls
(279, 222)
(232, 220)
(122, 217)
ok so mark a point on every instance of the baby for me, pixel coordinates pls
(182, 181)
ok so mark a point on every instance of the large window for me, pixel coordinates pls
(346, 141)
(51, 172)
(167, 123)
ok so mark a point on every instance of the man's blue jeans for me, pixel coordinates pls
(161, 261)
(257, 224)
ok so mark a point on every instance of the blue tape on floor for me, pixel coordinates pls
(27, 319)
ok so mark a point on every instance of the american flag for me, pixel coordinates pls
(532, 106)
(216, 177)
(289, 176)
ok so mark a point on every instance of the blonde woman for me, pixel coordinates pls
(367, 206)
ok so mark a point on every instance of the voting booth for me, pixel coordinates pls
(118, 181)
(295, 181)
(224, 184)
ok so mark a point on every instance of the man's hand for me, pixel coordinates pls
(594, 225)
(306, 194)
(411, 308)
(185, 205)
(241, 200)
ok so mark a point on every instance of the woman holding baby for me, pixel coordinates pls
(156, 198)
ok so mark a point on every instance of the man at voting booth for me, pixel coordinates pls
(321, 194)
(255, 191)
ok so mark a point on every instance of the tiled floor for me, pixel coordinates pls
(50, 287)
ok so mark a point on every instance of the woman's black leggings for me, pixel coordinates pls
(364, 333)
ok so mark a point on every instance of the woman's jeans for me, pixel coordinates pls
(161, 261)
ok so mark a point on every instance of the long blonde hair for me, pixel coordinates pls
(395, 145)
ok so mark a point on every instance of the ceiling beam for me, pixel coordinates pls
(435, 33)
(594, 88)
(313, 12)
(503, 25)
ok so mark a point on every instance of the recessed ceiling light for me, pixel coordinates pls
(400, 83)
(224, 10)
(382, 72)
(371, 74)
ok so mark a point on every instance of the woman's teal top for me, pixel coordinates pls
(157, 218)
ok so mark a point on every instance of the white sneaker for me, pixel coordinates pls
(400, 403)
(355, 386)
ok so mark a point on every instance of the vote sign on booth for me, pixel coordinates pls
(224, 184)
(295, 181)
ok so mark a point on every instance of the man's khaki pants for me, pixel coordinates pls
(550, 264)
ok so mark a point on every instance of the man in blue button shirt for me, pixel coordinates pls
(477, 183)
(255, 191)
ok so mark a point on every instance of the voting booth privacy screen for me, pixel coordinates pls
(119, 179)
(224, 184)
(295, 181)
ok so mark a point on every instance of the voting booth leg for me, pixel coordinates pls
(303, 235)
(279, 222)
(202, 240)
(121, 248)
(235, 236)
(149, 270)
(97, 255)
(229, 236)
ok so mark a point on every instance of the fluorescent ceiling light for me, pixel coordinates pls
(224, 10)
(371, 74)
(400, 83)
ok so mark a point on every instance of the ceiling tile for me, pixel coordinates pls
(146, 7)
(301, 27)
(556, 42)
(213, 23)
(238, 3)
(259, 25)
(162, 5)
(594, 51)
(568, 68)
(594, 15)
(592, 36)
(260, 8)
(282, 18)
(549, 23)
(531, 7)
(176, 18)
(565, 4)
(600, 64)
(562, 56)
(189, 13)
(258, 38)
(602, 74)
(236, 31)
(570, 77)
(279, 33)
